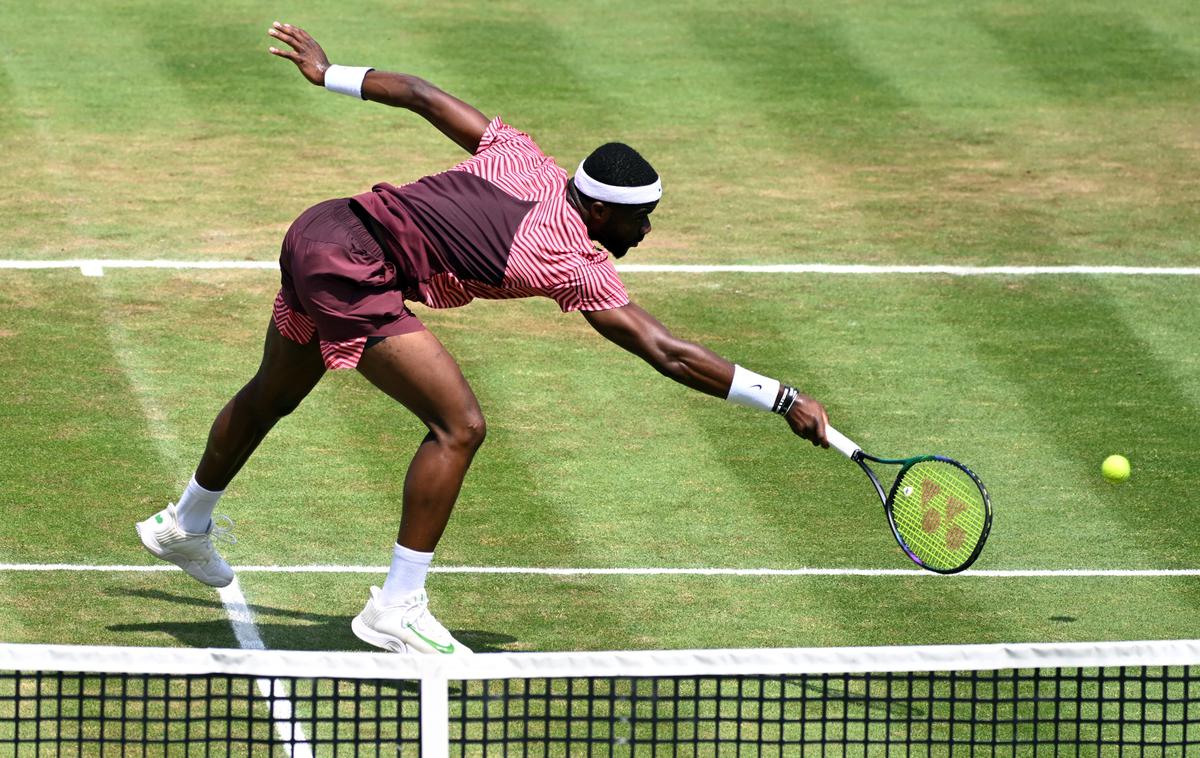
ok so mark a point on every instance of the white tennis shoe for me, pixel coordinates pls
(194, 553)
(405, 627)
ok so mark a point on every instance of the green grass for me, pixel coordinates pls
(994, 132)
(617, 468)
(911, 132)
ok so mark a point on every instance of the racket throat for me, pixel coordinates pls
(858, 458)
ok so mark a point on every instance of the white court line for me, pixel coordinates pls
(274, 691)
(96, 267)
(651, 571)
(102, 263)
(855, 268)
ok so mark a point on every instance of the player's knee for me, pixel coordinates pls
(283, 405)
(467, 433)
(474, 431)
(268, 406)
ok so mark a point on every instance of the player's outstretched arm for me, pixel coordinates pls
(459, 121)
(694, 365)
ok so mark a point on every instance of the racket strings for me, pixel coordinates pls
(939, 513)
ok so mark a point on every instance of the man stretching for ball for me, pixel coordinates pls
(505, 223)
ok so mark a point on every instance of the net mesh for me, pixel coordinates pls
(1143, 712)
(126, 714)
(939, 513)
(1125, 710)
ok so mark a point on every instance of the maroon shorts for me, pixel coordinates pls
(338, 285)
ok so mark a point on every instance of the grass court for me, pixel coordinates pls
(887, 133)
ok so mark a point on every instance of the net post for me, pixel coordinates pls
(435, 715)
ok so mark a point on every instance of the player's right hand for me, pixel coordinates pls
(807, 419)
(305, 53)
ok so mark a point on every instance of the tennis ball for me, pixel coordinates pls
(1115, 468)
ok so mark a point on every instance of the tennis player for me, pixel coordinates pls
(505, 223)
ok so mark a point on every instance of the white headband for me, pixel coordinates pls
(609, 193)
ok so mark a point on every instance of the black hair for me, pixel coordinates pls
(620, 165)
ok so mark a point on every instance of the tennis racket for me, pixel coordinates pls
(939, 511)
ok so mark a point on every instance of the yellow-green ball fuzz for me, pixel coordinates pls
(1115, 468)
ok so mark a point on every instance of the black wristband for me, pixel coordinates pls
(791, 401)
(785, 401)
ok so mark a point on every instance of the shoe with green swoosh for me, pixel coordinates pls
(194, 553)
(407, 627)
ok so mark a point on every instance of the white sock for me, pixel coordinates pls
(195, 507)
(407, 574)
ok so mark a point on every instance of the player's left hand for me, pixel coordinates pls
(807, 419)
(308, 55)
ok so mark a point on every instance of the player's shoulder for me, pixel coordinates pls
(510, 158)
(499, 134)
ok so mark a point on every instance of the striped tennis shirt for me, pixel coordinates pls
(495, 226)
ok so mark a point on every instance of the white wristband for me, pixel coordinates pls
(753, 390)
(346, 80)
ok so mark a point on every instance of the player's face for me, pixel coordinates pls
(625, 227)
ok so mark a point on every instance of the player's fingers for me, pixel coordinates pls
(286, 34)
(275, 33)
(283, 37)
(293, 57)
(297, 36)
(813, 431)
(820, 440)
(299, 33)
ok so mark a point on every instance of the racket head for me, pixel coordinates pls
(940, 513)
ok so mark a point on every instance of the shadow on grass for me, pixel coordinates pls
(889, 706)
(317, 631)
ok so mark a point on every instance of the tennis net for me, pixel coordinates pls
(1077, 699)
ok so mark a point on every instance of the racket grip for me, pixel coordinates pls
(840, 442)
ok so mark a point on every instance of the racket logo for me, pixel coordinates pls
(955, 537)
(929, 490)
(932, 518)
(954, 506)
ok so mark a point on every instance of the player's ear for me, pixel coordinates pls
(600, 211)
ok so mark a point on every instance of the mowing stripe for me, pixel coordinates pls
(569, 571)
(141, 384)
(96, 267)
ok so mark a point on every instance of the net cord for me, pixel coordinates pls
(646, 663)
